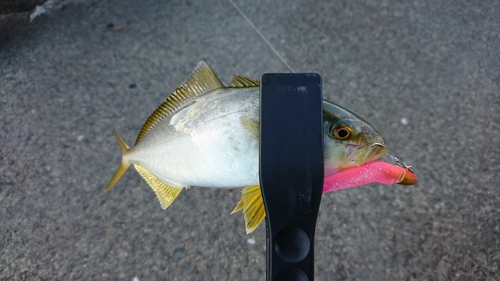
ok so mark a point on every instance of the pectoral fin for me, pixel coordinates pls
(165, 191)
(250, 126)
(253, 207)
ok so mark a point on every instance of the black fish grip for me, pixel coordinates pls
(291, 171)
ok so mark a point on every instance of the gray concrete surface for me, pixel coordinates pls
(69, 78)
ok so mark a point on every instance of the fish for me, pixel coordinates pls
(206, 134)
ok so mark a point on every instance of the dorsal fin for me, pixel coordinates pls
(243, 82)
(201, 81)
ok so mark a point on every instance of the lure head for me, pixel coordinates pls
(349, 140)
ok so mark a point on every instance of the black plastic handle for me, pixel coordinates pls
(291, 170)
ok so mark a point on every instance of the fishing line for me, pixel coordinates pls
(261, 35)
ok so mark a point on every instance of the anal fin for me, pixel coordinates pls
(252, 204)
(165, 192)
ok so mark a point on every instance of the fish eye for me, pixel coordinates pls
(341, 131)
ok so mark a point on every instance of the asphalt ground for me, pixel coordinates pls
(426, 74)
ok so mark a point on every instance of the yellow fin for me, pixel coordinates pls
(123, 164)
(201, 81)
(165, 192)
(243, 82)
(252, 204)
(239, 206)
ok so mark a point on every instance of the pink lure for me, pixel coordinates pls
(376, 171)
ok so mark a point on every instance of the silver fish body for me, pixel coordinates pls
(206, 142)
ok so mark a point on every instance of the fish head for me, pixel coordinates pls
(349, 140)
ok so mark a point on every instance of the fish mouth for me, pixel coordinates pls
(375, 151)
(360, 154)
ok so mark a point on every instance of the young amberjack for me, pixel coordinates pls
(206, 134)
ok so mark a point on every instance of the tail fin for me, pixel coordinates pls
(123, 165)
